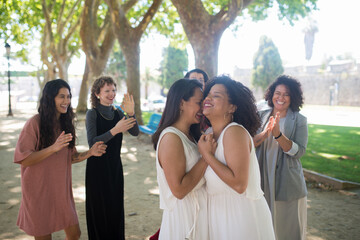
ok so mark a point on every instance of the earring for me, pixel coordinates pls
(98, 97)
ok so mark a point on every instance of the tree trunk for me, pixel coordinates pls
(132, 57)
(206, 55)
(204, 30)
(63, 70)
(129, 40)
(84, 89)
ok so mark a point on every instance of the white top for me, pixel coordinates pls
(216, 186)
(234, 216)
(187, 217)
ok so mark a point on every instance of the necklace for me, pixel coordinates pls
(106, 117)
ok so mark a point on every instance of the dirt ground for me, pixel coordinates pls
(331, 214)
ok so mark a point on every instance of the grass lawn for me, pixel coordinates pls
(334, 151)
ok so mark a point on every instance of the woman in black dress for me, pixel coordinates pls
(104, 175)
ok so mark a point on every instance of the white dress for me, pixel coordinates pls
(233, 215)
(182, 218)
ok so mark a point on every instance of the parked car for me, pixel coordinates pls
(158, 105)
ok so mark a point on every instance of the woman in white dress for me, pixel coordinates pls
(180, 168)
(237, 208)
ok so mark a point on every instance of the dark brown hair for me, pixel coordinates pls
(182, 89)
(47, 112)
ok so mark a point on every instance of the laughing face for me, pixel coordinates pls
(107, 94)
(281, 98)
(216, 103)
(62, 101)
(192, 108)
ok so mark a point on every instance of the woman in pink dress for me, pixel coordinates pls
(46, 150)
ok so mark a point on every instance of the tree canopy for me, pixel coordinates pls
(267, 64)
(173, 66)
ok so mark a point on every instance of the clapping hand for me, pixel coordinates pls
(98, 149)
(275, 129)
(128, 104)
(124, 124)
(62, 141)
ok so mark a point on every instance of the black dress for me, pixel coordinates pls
(105, 187)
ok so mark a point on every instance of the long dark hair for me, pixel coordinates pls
(182, 89)
(294, 87)
(242, 97)
(47, 112)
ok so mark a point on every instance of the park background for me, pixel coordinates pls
(330, 80)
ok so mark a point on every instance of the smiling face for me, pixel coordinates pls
(216, 104)
(62, 101)
(107, 94)
(281, 98)
(191, 109)
(198, 76)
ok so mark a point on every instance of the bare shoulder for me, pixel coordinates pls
(236, 136)
(170, 142)
(236, 132)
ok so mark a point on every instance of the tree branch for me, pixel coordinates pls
(148, 17)
(128, 5)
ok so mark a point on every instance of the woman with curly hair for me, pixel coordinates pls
(46, 150)
(281, 142)
(237, 208)
(104, 175)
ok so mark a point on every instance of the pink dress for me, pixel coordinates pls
(47, 203)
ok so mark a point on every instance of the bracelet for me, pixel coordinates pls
(278, 136)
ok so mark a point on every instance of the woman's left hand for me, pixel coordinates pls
(276, 125)
(128, 104)
(98, 149)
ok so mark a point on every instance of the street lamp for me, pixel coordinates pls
(8, 48)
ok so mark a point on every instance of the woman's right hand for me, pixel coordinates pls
(123, 125)
(207, 144)
(62, 141)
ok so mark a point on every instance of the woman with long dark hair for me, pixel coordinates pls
(179, 166)
(46, 150)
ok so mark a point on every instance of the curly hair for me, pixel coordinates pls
(242, 97)
(47, 113)
(294, 87)
(182, 89)
(95, 89)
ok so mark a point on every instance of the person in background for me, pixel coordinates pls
(237, 208)
(46, 149)
(180, 168)
(281, 142)
(198, 74)
(104, 175)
